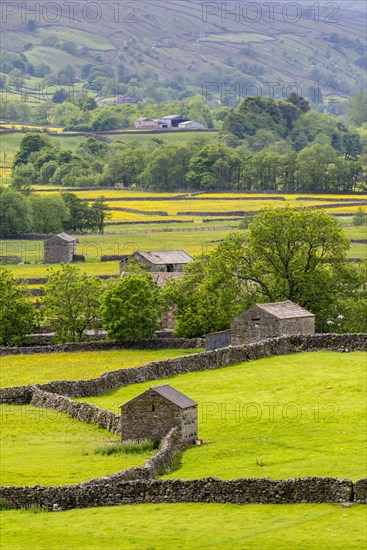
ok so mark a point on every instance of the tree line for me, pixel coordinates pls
(264, 145)
(286, 254)
(20, 213)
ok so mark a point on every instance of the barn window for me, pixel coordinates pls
(169, 268)
(153, 408)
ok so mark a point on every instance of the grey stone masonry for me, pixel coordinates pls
(360, 491)
(59, 249)
(115, 490)
(273, 320)
(154, 413)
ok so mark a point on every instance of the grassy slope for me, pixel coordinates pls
(291, 50)
(40, 446)
(43, 367)
(188, 527)
(245, 440)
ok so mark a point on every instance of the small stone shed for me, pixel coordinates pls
(156, 411)
(271, 320)
(168, 261)
(59, 248)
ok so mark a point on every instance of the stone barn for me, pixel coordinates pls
(169, 261)
(271, 320)
(59, 248)
(156, 411)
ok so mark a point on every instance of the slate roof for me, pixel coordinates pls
(63, 237)
(165, 390)
(176, 397)
(167, 257)
(285, 310)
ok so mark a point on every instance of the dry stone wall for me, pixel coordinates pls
(190, 363)
(360, 491)
(115, 490)
(151, 344)
(136, 485)
(80, 411)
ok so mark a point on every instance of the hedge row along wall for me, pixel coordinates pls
(115, 490)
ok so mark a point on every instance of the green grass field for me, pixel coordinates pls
(41, 270)
(280, 417)
(40, 446)
(18, 370)
(146, 140)
(95, 246)
(189, 527)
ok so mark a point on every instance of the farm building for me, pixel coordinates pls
(156, 411)
(171, 121)
(191, 125)
(146, 123)
(59, 248)
(263, 321)
(168, 261)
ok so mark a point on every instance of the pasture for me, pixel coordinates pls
(279, 417)
(188, 527)
(19, 370)
(128, 239)
(327, 439)
(44, 447)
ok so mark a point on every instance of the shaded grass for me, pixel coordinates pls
(49, 448)
(189, 526)
(18, 370)
(290, 416)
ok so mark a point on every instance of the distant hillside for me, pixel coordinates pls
(173, 46)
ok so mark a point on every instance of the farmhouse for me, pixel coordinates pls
(146, 123)
(155, 412)
(168, 261)
(59, 248)
(263, 321)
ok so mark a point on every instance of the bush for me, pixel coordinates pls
(130, 308)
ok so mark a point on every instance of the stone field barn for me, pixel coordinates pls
(156, 411)
(263, 321)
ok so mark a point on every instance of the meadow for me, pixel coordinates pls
(188, 527)
(53, 449)
(280, 417)
(128, 239)
(21, 370)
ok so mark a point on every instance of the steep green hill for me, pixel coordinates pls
(191, 43)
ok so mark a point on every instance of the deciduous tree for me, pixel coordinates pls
(16, 311)
(130, 308)
(71, 303)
